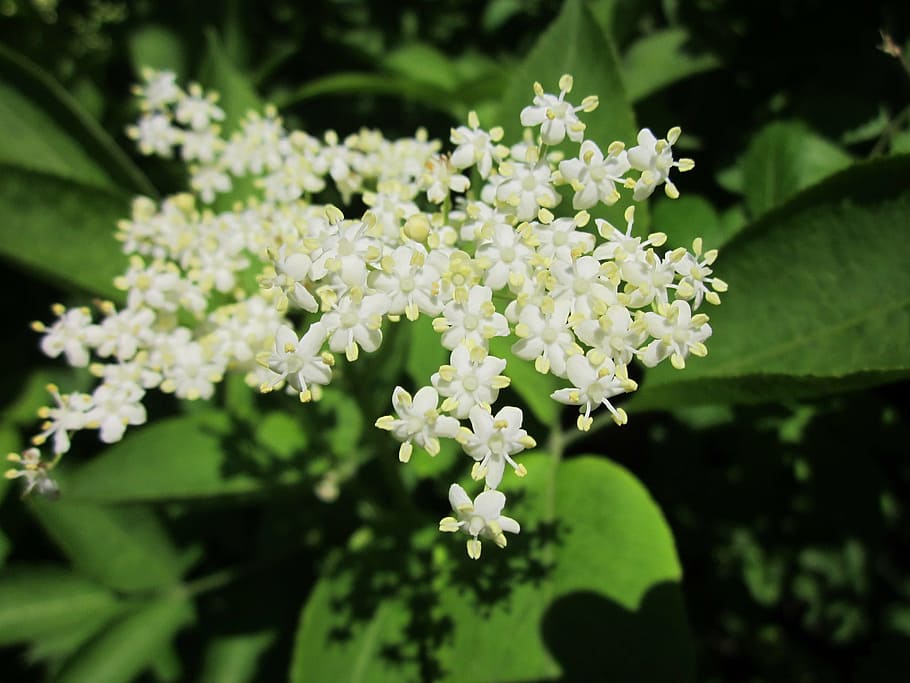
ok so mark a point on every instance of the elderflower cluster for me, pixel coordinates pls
(471, 240)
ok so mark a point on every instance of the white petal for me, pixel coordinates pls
(489, 505)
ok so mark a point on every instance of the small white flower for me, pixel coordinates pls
(677, 333)
(556, 117)
(121, 333)
(68, 415)
(35, 472)
(526, 189)
(198, 110)
(155, 135)
(560, 239)
(654, 158)
(596, 381)
(209, 181)
(695, 275)
(583, 284)
(545, 336)
(493, 442)
(594, 177)
(356, 322)
(418, 421)
(439, 177)
(506, 257)
(466, 383)
(471, 322)
(159, 90)
(69, 335)
(477, 146)
(299, 362)
(614, 333)
(481, 518)
(409, 282)
(114, 407)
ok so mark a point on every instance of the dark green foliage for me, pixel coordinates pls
(756, 529)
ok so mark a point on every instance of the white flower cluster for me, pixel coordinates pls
(468, 239)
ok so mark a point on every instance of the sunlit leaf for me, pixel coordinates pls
(594, 570)
(194, 456)
(817, 302)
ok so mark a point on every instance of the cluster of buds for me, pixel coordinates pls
(471, 240)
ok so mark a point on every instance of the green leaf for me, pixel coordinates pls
(61, 229)
(576, 44)
(130, 645)
(425, 351)
(533, 387)
(356, 83)
(37, 602)
(157, 47)
(237, 96)
(126, 549)
(69, 119)
(818, 298)
(689, 217)
(598, 553)
(424, 64)
(186, 457)
(588, 591)
(660, 59)
(784, 158)
(235, 658)
(33, 141)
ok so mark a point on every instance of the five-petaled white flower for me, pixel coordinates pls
(418, 421)
(481, 518)
(556, 117)
(493, 442)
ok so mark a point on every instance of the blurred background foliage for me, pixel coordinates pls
(780, 463)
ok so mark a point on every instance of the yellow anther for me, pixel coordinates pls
(405, 451)
(566, 82)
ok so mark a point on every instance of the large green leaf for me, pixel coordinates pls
(784, 158)
(62, 229)
(60, 131)
(660, 59)
(818, 298)
(127, 549)
(37, 602)
(129, 645)
(185, 457)
(588, 591)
